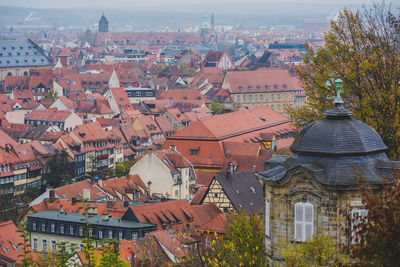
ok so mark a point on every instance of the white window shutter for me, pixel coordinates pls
(267, 219)
(304, 221)
(298, 221)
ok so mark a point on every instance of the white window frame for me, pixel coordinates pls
(53, 227)
(100, 233)
(302, 221)
(44, 244)
(53, 245)
(120, 235)
(71, 230)
(35, 244)
(135, 235)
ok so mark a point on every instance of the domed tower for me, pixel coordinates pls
(103, 24)
(306, 191)
(205, 27)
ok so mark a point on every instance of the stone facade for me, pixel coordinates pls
(300, 187)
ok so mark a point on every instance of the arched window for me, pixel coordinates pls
(9, 74)
(303, 221)
(25, 73)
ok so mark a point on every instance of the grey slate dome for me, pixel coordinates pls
(338, 135)
(335, 150)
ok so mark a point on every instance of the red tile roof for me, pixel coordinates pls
(75, 190)
(9, 240)
(261, 80)
(182, 94)
(49, 115)
(121, 98)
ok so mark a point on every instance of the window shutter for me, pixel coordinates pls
(308, 218)
(303, 220)
(298, 221)
(267, 219)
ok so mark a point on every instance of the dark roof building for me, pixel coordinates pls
(331, 148)
(235, 192)
(103, 24)
(306, 192)
(47, 227)
(21, 55)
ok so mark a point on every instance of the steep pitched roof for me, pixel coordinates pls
(244, 191)
(9, 240)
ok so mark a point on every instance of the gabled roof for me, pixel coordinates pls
(9, 240)
(121, 98)
(75, 190)
(125, 186)
(244, 191)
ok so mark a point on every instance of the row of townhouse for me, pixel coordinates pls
(21, 165)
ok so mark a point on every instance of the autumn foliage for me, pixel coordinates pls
(363, 49)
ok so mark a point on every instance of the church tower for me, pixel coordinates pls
(103, 24)
(205, 27)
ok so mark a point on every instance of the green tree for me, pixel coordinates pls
(58, 171)
(217, 107)
(242, 245)
(51, 94)
(120, 169)
(315, 252)
(26, 252)
(109, 254)
(363, 49)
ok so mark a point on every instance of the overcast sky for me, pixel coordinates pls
(150, 3)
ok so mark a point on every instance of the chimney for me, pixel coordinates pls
(73, 201)
(110, 204)
(126, 204)
(86, 193)
(100, 181)
(52, 196)
(105, 217)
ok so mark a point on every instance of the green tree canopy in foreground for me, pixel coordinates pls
(362, 49)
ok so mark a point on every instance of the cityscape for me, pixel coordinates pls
(215, 133)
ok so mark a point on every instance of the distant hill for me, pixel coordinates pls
(174, 16)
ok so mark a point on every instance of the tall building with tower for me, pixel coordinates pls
(103, 24)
